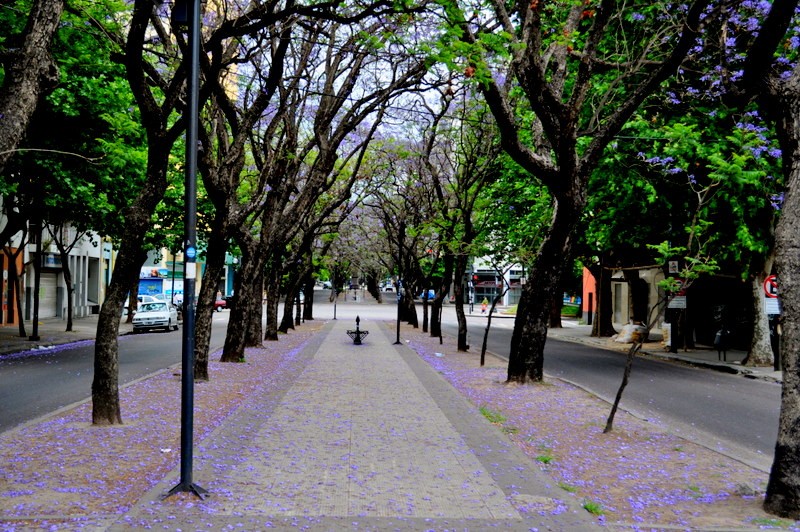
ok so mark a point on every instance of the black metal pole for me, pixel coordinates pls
(37, 275)
(399, 298)
(189, 258)
(172, 290)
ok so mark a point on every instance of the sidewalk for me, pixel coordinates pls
(363, 437)
(52, 332)
(702, 356)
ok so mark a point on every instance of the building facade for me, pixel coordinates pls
(89, 262)
(489, 279)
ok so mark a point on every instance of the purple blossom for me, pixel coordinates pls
(673, 98)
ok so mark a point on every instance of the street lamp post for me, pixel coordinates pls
(399, 299)
(188, 12)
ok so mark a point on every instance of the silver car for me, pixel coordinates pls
(155, 315)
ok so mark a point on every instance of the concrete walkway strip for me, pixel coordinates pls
(366, 437)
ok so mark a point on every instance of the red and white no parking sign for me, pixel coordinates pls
(771, 286)
(772, 304)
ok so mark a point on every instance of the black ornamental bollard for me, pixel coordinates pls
(357, 335)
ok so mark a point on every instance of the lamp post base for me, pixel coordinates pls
(190, 487)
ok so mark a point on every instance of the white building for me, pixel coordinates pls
(488, 280)
(89, 263)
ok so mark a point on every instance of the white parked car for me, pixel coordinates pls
(156, 315)
(142, 299)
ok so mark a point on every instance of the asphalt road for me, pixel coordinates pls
(38, 384)
(728, 413)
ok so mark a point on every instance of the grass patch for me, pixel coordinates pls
(495, 418)
(594, 508)
(510, 430)
(570, 310)
(696, 491)
(545, 458)
(771, 522)
(569, 488)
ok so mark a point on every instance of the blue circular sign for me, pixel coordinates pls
(191, 253)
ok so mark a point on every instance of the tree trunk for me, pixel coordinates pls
(287, 321)
(433, 309)
(448, 262)
(409, 309)
(18, 299)
(373, 288)
(783, 489)
(526, 356)
(29, 75)
(760, 351)
(254, 336)
(233, 351)
(64, 254)
(495, 300)
(555, 312)
(635, 347)
(308, 303)
(133, 298)
(273, 303)
(215, 264)
(15, 281)
(105, 386)
(70, 302)
(458, 291)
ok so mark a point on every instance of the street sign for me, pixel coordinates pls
(772, 304)
(677, 302)
(771, 286)
(679, 298)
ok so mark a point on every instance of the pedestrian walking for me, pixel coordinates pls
(484, 305)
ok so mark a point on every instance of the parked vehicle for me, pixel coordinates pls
(220, 304)
(141, 299)
(431, 295)
(156, 315)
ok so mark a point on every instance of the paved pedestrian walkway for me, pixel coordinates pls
(366, 437)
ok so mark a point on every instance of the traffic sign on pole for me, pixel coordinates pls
(771, 286)
(772, 303)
